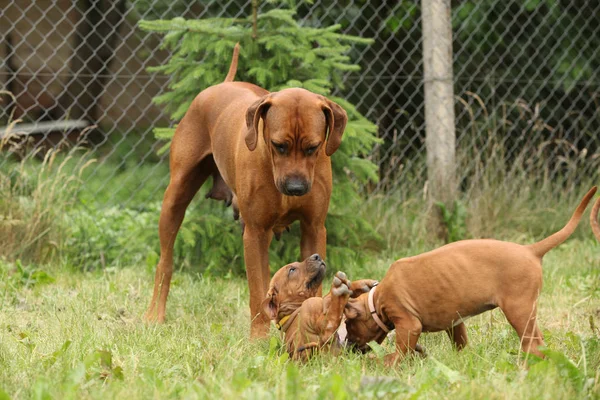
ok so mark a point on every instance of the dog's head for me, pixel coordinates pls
(293, 284)
(297, 127)
(360, 325)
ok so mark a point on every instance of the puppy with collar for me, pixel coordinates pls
(308, 322)
(438, 290)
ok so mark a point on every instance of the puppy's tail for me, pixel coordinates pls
(234, 61)
(542, 247)
(594, 219)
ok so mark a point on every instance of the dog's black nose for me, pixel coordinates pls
(295, 187)
(316, 257)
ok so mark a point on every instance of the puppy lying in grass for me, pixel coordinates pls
(438, 290)
(309, 322)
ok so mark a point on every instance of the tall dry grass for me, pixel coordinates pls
(35, 193)
(519, 190)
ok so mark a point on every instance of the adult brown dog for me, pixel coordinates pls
(268, 154)
(594, 219)
(438, 290)
(309, 322)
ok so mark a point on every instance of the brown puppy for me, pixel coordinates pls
(594, 219)
(309, 322)
(438, 290)
(268, 155)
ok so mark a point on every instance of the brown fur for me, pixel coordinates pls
(437, 290)
(594, 219)
(236, 132)
(315, 320)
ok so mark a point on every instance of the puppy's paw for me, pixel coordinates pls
(339, 286)
(342, 276)
(340, 291)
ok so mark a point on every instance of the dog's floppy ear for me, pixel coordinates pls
(336, 121)
(270, 305)
(257, 110)
(351, 310)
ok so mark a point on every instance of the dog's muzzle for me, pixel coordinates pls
(317, 267)
(295, 186)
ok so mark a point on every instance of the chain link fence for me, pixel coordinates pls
(526, 83)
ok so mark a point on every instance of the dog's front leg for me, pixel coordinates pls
(408, 329)
(313, 240)
(256, 256)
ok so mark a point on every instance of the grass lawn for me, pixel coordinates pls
(69, 334)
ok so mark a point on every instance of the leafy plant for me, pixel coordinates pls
(102, 237)
(454, 220)
(565, 368)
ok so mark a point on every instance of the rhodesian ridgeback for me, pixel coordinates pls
(269, 156)
(309, 322)
(438, 290)
(594, 219)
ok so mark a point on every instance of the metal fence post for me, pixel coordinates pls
(439, 100)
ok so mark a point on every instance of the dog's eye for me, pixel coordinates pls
(280, 147)
(311, 150)
(291, 270)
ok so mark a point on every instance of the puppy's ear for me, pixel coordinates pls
(254, 113)
(336, 118)
(351, 310)
(270, 305)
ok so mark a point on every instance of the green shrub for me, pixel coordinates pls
(111, 236)
(209, 241)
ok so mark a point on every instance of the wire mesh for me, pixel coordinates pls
(526, 80)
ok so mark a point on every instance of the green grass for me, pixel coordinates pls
(71, 334)
(76, 276)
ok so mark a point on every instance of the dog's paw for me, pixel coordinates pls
(340, 290)
(420, 350)
(339, 286)
(342, 276)
(362, 286)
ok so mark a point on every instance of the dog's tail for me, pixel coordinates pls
(594, 219)
(234, 61)
(543, 246)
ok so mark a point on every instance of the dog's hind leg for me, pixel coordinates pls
(334, 308)
(523, 319)
(458, 335)
(178, 196)
(191, 164)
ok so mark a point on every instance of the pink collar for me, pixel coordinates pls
(374, 312)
